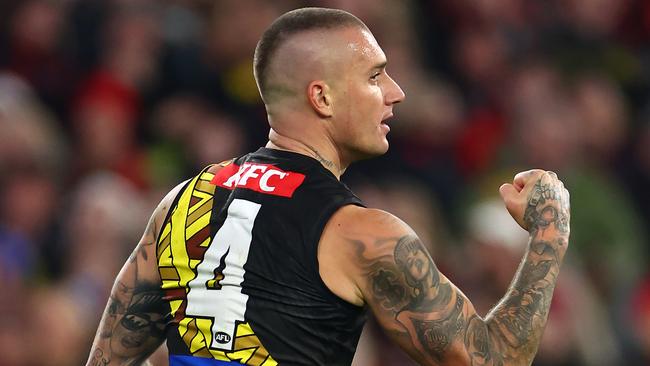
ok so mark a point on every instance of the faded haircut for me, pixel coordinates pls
(289, 24)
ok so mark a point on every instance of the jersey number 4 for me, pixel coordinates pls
(215, 293)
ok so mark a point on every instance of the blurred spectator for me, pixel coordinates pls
(28, 132)
(634, 167)
(190, 134)
(105, 130)
(105, 220)
(545, 122)
(604, 118)
(26, 208)
(131, 45)
(54, 324)
(109, 103)
(31, 156)
(35, 34)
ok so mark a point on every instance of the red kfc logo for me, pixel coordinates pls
(263, 178)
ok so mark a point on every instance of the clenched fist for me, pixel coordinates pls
(537, 200)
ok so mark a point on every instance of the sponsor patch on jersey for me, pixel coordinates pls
(263, 178)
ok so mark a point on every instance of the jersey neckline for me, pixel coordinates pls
(294, 155)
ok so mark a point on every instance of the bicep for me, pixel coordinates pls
(417, 306)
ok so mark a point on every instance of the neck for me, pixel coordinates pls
(325, 153)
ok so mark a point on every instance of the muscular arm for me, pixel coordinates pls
(428, 316)
(518, 320)
(133, 323)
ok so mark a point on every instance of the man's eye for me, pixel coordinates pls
(375, 76)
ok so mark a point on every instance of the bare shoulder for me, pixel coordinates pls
(165, 204)
(145, 252)
(352, 221)
(352, 234)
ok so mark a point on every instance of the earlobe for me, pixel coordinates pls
(318, 94)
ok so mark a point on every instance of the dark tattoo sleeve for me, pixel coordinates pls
(433, 320)
(133, 324)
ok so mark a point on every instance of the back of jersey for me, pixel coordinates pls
(237, 256)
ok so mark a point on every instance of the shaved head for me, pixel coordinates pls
(297, 47)
(322, 76)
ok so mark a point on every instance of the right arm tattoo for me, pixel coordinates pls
(133, 324)
(434, 321)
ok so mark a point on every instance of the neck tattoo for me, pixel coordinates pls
(320, 158)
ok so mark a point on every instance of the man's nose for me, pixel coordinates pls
(395, 94)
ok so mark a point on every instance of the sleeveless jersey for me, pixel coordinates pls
(237, 255)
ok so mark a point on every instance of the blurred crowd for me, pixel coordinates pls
(107, 104)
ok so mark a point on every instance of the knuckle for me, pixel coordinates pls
(534, 174)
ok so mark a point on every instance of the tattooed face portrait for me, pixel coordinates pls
(412, 260)
(134, 331)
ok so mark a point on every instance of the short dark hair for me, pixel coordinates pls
(294, 22)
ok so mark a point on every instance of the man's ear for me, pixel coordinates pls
(320, 98)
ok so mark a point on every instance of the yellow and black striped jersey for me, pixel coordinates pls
(237, 256)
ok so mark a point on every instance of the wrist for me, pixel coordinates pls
(556, 240)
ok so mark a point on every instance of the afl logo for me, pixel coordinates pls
(222, 337)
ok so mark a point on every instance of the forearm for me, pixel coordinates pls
(101, 353)
(133, 324)
(131, 327)
(99, 358)
(516, 324)
(511, 332)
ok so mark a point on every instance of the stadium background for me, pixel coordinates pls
(105, 105)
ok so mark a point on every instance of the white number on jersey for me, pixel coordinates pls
(218, 295)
